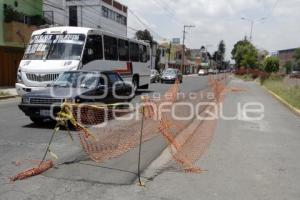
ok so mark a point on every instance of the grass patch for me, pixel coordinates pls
(291, 94)
(245, 77)
(3, 94)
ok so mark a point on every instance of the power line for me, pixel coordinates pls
(52, 5)
(64, 15)
(144, 24)
(275, 5)
(95, 11)
(170, 13)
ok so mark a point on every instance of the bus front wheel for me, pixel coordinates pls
(135, 83)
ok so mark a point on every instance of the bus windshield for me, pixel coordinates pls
(55, 47)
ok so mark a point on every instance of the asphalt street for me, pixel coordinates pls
(247, 159)
(21, 139)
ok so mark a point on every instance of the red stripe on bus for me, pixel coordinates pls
(127, 71)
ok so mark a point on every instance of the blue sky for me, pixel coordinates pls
(220, 19)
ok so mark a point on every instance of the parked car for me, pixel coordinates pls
(215, 71)
(210, 71)
(202, 72)
(171, 75)
(77, 87)
(155, 76)
(295, 74)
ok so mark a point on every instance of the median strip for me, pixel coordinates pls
(282, 101)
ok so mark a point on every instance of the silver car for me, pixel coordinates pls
(171, 75)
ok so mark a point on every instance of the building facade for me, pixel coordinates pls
(171, 57)
(108, 15)
(286, 55)
(54, 12)
(18, 18)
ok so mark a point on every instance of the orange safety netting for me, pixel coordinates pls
(117, 137)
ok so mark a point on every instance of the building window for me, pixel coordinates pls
(73, 18)
(110, 48)
(105, 12)
(110, 14)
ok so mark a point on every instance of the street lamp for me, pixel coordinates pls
(252, 21)
(183, 48)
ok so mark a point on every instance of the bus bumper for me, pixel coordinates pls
(23, 89)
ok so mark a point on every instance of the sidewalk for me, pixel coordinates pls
(11, 90)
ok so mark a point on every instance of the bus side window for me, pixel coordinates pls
(93, 49)
(143, 53)
(123, 50)
(134, 52)
(110, 48)
(148, 54)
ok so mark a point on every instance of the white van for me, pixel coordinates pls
(52, 51)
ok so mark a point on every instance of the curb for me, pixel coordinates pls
(282, 101)
(9, 97)
(190, 75)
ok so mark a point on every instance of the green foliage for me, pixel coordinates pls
(222, 50)
(297, 55)
(38, 20)
(4, 94)
(288, 67)
(245, 54)
(289, 93)
(144, 35)
(10, 15)
(157, 59)
(271, 64)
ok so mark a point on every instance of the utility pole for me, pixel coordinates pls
(170, 46)
(252, 21)
(169, 57)
(183, 47)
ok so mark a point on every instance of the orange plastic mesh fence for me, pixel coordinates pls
(107, 142)
(103, 138)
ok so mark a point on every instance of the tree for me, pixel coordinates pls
(222, 50)
(157, 59)
(297, 58)
(297, 55)
(288, 67)
(144, 35)
(245, 54)
(271, 64)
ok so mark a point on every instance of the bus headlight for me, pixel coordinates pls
(19, 77)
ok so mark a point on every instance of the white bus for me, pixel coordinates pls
(52, 51)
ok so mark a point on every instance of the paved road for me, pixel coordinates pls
(20, 139)
(16, 127)
(246, 160)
